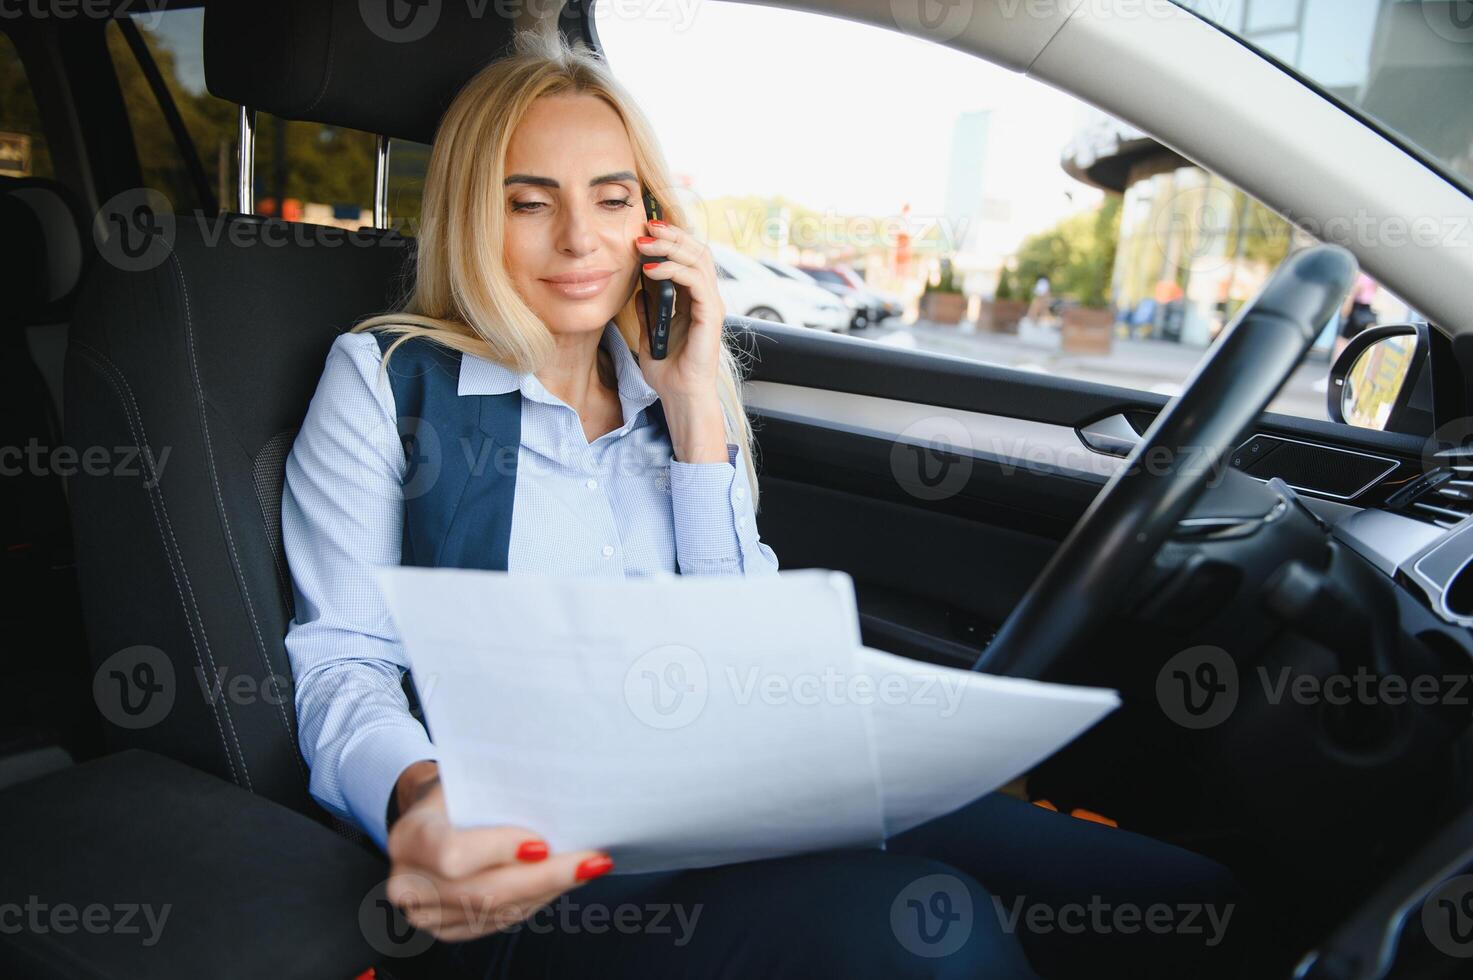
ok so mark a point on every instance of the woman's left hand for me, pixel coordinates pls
(685, 379)
(689, 367)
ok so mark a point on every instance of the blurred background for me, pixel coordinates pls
(859, 180)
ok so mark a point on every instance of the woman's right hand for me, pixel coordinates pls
(458, 884)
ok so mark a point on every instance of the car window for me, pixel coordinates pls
(1397, 63)
(408, 162)
(23, 148)
(743, 267)
(304, 171)
(164, 160)
(1016, 224)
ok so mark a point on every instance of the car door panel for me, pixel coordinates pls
(941, 485)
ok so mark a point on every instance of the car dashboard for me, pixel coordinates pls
(1432, 562)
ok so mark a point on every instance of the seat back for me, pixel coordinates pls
(200, 341)
(43, 669)
(200, 367)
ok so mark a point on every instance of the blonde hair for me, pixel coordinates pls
(462, 296)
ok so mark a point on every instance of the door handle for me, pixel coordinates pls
(1112, 436)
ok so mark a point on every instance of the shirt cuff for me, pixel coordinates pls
(376, 762)
(706, 499)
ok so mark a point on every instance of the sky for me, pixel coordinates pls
(182, 30)
(834, 114)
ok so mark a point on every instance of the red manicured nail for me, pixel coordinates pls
(645, 240)
(657, 223)
(532, 850)
(594, 867)
(651, 265)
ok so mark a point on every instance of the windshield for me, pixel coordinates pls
(1407, 64)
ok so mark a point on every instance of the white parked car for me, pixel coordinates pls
(748, 288)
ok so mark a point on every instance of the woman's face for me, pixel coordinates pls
(573, 210)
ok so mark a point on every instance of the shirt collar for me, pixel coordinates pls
(479, 376)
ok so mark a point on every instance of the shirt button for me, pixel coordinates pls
(592, 484)
(742, 523)
(741, 492)
(608, 550)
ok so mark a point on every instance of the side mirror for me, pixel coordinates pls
(1382, 380)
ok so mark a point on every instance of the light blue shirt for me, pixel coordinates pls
(615, 507)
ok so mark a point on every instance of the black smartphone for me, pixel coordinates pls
(658, 295)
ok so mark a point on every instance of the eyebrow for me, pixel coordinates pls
(612, 178)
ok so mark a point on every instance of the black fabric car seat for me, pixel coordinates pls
(44, 251)
(200, 340)
(206, 363)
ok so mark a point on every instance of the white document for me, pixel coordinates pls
(959, 734)
(690, 721)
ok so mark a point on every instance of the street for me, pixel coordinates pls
(1151, 365)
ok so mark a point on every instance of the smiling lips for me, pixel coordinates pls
(580, 285)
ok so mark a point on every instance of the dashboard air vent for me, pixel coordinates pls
(1443, 496)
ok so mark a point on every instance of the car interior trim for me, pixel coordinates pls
(1391, 465)
(1388, 541)
(1436, 565)
(1037, 445)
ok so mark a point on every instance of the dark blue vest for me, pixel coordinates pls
(460, 481)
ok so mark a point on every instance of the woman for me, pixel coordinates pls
(518, 375)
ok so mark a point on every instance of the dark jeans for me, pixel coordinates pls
(999, 889)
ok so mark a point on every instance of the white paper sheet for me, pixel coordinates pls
(682, 722)
(943, 737)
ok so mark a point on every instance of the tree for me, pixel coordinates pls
(945, 280)
(1077, 255)
(324, 164)
(1007, 284)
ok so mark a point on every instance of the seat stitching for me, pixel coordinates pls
(224, 520)
(204, 634)
(112, 373)
(201, 638)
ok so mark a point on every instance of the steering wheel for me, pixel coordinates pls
(1112, 544)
